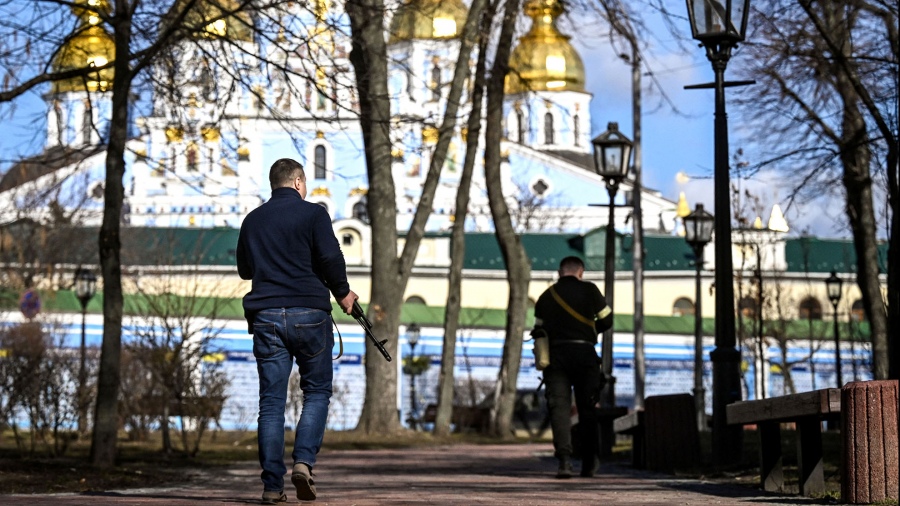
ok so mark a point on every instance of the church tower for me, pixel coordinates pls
(423, 48)
(79, 107)
(189, 173)
(547, 106)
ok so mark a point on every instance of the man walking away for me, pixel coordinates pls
(570, 314)
(288, 249)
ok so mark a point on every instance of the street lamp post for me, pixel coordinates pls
(698, 228)
(412, 337)
(85, 288)
(833, 285)
(612, 151)
(720, 25)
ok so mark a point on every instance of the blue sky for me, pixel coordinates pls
(678, 146)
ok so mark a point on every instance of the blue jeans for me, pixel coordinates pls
(281, 336)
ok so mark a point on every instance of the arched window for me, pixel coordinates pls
(409, 84)
(749, 307)
(87, 123)
(435, 83)
(548, 128)
(858, 311)
(320, 164)
(415, 299)
(520, 124)
(361, 212)
(192, 156)
(683, 307)
(810, 309)
(577, 130)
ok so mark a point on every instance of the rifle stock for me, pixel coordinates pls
(364, 322)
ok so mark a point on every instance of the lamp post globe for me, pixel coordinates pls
(612, 153)
(698, 229)
(833, 286)
(716, 22)
(412, 334)
(85, 288)
(719, 25)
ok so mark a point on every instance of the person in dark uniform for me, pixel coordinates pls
(570, 314)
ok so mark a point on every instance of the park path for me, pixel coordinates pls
(445, 475)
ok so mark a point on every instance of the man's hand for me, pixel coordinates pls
(347, 302)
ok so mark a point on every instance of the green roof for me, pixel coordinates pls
(809, 254)
(544, 250)
(663, 252)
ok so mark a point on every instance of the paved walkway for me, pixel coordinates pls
(447, 475)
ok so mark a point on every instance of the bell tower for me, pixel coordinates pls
(547, 106)
(79, 107)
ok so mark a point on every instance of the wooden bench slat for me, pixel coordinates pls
(628, 423)
(785, 408)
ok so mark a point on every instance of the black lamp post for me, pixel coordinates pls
(85, 288)
(698, 228)
(833, 285)
(612, 151)
(719, 25)
(412, 337)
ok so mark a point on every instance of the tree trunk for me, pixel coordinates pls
(637, 220)
(106, 417)
(446, 380)
(834, 26)
(855, 156)
(390, 274)
(369, 58)
(518, 267)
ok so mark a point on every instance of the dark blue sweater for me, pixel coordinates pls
(288, 248)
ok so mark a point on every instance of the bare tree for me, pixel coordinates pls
(177, 318)
(518, 265)
(828, 73)
(37, 382)
(446, 380)
(391, 273)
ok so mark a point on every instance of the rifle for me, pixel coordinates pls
(364, 322)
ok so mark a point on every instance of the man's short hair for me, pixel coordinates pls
(284, 171)
(570, 264)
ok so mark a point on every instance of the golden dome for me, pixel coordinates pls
(544, 60)
(682, 209)
(428, 19)
(208, 17)
(91, 45)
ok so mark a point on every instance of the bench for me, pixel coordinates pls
(632, 424)
(664, 433)
(189, 407)
(463, 417)
(806, 410)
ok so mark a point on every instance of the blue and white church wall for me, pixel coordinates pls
(669, 366)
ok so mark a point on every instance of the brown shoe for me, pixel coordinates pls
(303, 482)
(273, 497)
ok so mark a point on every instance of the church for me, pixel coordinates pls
(201, 157)
(202, 140)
